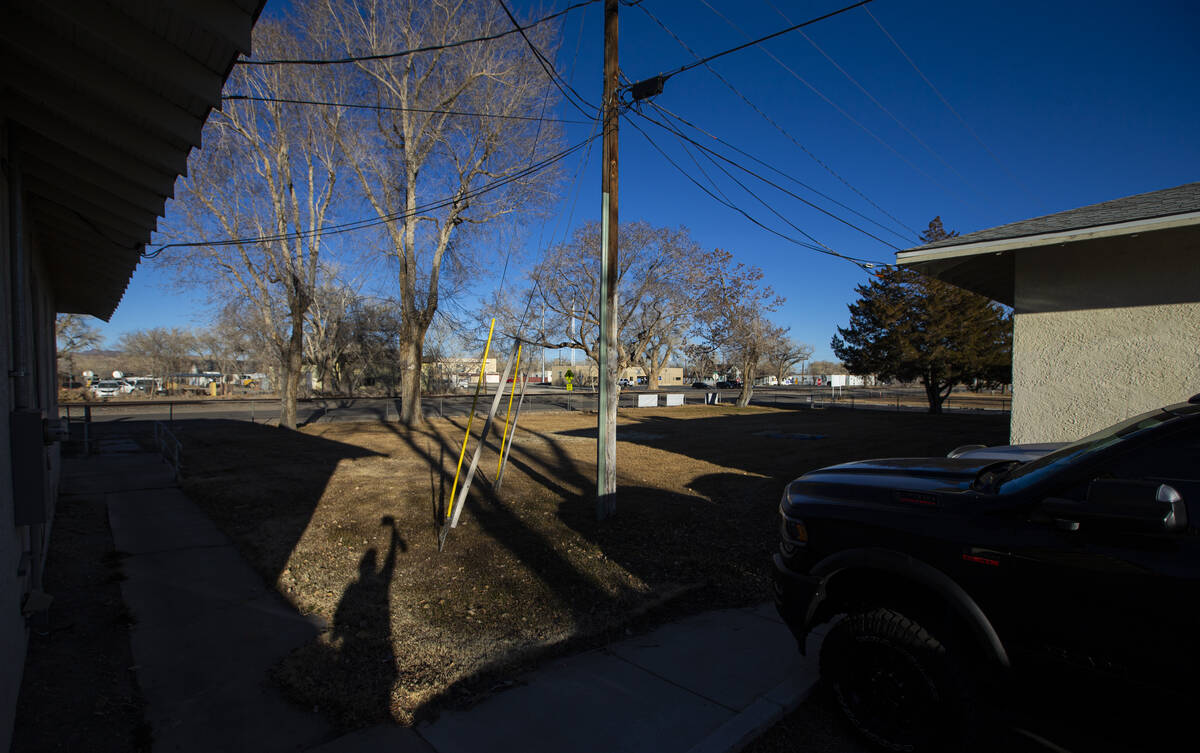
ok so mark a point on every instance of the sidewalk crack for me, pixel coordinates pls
(669, 681)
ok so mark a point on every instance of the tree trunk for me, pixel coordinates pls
(410, 382)
(934, 394)
(652, 378)
(293, 363)
(747, 385)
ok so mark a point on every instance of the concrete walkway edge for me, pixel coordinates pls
(744, 728)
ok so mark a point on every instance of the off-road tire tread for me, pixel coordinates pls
(928, 652)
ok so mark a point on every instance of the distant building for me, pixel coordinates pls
(833, 380)
(585, 374)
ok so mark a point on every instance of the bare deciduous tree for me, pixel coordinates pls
(783, 353)
(826, 368)
(373, 350)
(733, 313)
(267, 173)
(166, 352)
(657, 285)
(73, 335)
(330, 319)
(424, 165)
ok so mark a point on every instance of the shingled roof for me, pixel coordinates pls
(1144, 206)
(983, 261)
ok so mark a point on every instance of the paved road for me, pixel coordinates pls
(347, 409)
(538, 399)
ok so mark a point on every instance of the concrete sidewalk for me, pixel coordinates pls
(207, 632)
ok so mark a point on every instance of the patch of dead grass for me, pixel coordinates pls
(342, 519)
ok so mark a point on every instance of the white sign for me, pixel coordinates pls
(674, 398)
(648, 401)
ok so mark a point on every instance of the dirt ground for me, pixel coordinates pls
(342, 518)
(78, 690)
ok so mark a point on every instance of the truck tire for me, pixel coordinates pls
(894, 681)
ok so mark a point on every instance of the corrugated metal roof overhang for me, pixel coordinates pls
(103, 102)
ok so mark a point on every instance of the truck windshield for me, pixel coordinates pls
(1028, 474)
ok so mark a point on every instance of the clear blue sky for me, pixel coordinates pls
(1077, 102)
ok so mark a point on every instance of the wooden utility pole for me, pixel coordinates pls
(606, 447)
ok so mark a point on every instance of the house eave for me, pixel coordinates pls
(913, 256)
(987, 267)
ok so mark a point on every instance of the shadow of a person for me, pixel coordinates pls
(362, 629)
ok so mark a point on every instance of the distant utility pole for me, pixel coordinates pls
(606, 447)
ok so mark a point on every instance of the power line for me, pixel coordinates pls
(769, 182)
(389, 108)
(948, 105)
(842, 110)
(776, 125)
(870, 96)
(562, 85)
(364, 223)
(760, 40)
(862, 263)
(414, 51)
(709, 153)
(681, 138)
(776, 170)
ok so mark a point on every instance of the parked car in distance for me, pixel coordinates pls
(731, 384)
(106, 388)
(994, 574)
(701, 386)
(625, 382)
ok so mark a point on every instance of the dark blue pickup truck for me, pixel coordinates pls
(943, 579)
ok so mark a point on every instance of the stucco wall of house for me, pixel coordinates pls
(1103, 332)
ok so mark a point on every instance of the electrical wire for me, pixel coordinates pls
(871, 97)
(427, 48)
(388, 108)
(773, 184)
(776, 170)
(864, 264)
(949, 107)
(362, 224)
(760, 40)
(709, 156)
(566, 227)
(842, 111)
(562, 85)
(778, 127)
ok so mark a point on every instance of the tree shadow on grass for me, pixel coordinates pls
(720, 528)
(499, 522)
(784, 444)
(266, 507)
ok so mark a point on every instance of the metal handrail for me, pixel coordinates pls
(169, 447)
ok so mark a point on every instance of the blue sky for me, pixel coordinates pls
(1074, 103)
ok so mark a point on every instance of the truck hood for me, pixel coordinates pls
(909, 482)
(1020, 452)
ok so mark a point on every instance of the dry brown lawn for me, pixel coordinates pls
(342, 518)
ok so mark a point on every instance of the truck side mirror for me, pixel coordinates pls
(1129, 505)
